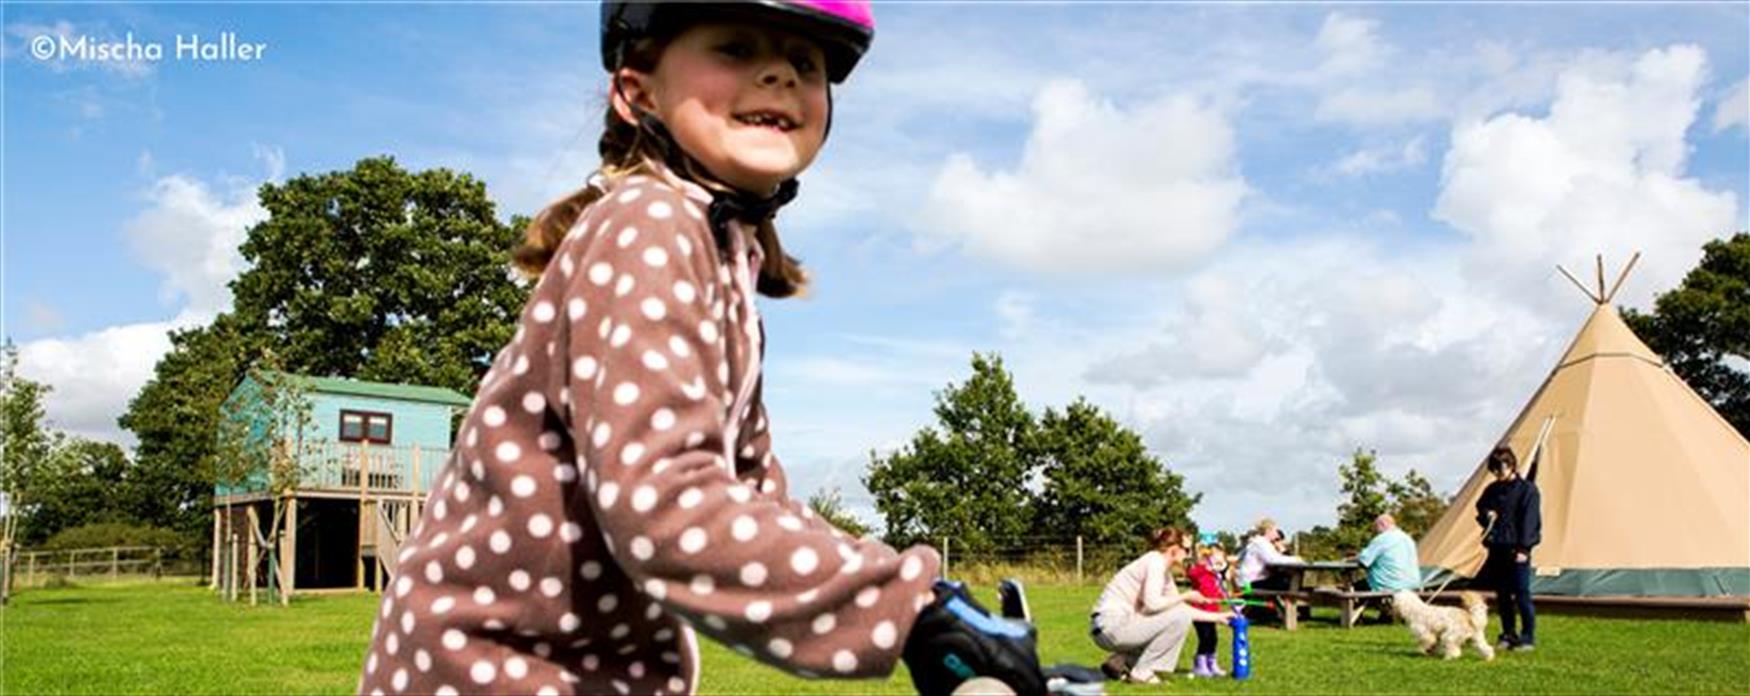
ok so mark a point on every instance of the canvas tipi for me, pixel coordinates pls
(1646, 489)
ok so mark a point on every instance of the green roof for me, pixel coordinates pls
(384, 390)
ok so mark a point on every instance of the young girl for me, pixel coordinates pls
(1142, 618)
(613, 488)
(1206, 576)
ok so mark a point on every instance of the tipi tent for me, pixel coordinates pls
(1646, 489)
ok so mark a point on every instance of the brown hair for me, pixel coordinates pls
(1502, 458)
(1165, 538)
(626, 150)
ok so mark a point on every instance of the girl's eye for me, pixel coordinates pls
(736, 49)
(805, 64)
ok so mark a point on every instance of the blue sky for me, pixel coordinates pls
(1261, 235)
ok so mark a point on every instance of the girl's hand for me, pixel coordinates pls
(1195, 597)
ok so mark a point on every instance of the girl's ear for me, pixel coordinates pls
(631, 89)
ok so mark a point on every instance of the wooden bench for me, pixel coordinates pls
(1349, 604)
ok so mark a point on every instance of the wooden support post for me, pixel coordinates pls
(364, 475)
(115, 557)
(30, 570)
(216, 549)
(254, 556)
(1078, 559)
(231, 559)
(289, 552)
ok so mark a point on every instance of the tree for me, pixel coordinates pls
(264, 442)
(374, 273)
(25, 447)
(1415, 504)
(968, 479)
(1366, 489)
(1101, 483)
(175, 417)
(381, 274)
(827, 504)
(1703, 325)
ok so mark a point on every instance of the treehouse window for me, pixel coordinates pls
(365, 426)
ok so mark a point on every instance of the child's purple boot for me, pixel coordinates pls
(1200, 667)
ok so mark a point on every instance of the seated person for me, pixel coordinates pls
(1264, 548)
(1390, 560)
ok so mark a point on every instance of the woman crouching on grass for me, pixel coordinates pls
(1142, 618)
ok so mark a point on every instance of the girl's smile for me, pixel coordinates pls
(748, 102)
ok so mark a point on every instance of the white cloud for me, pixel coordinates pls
(1350, 44)
(1090, 189)
(190, 234)
(1734, 108)
(95, 375)
(1355, 83)
(1602, 173)
(1381, 159)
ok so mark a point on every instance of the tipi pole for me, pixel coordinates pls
(1600, 277)
(1536, 452)
(1622, 277)
(1578, 284)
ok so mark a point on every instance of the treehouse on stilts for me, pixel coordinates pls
(318, 480)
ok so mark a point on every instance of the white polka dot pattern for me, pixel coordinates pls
(615, 476)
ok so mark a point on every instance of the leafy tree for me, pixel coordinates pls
(828, 504)
(25, 446)
(1366, 491)
(374, 272)
(1101, 483)
(968, 479)
(1703, 325)
(1415, 504)
(381, 274)
(175, 416)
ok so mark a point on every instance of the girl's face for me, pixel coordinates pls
(748, 102)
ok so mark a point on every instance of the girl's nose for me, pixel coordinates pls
(777, 73)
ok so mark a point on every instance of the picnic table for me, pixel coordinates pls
(1343, 595)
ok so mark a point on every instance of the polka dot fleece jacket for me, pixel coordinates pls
(612, 490)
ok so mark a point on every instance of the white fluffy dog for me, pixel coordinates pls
(1446, 627)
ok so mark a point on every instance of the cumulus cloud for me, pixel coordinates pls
(188, 233)
(1734, 108)
(1352, 49)
(94, 375)
(1601, 173)
(1098, 187)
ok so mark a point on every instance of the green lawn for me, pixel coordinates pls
(163, 638)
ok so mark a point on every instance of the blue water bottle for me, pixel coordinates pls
(1242, 657)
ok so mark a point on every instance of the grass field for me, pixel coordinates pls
(172, 638)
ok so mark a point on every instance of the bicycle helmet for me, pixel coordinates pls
(844, 28)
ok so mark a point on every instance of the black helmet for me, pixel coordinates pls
(843, 28)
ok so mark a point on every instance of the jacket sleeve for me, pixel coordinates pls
(1485, 504)
(740, 562)
(1530, 518)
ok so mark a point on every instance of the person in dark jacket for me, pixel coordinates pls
(1510, 513)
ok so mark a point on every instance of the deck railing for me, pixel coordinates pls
(352, 466)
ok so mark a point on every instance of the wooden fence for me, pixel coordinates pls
(38, 568)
